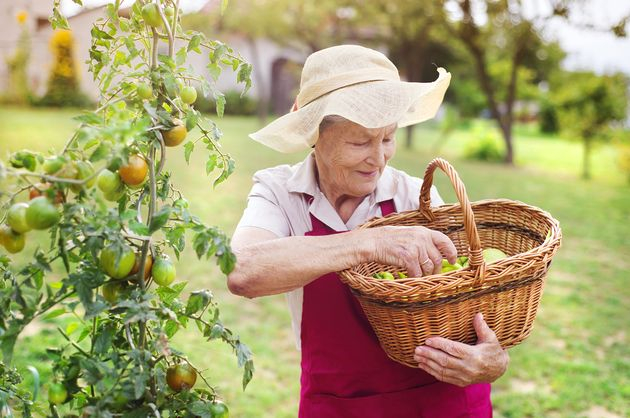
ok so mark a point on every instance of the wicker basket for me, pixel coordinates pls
(405, 312)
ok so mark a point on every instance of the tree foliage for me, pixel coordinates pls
(64, 87)
(587, 105)
(17, 64)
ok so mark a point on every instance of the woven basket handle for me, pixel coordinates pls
(476, 261)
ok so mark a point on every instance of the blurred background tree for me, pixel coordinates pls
(587, 106)
(505, 47)
(18, 90)
(63, 83)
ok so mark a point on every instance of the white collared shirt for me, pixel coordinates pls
(280, 202)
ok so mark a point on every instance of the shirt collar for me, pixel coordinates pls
(303, 180)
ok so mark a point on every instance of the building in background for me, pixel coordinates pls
(277, 68)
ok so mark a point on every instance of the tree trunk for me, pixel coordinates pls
(469, 34)
(414, 60)
(409, 137)
(586, 172)
(506, 130)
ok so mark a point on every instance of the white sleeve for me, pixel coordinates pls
(263, 211)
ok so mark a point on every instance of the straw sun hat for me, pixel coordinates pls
(359, 84)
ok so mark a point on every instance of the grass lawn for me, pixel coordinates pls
(577, 359)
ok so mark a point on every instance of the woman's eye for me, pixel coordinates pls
(360, 144)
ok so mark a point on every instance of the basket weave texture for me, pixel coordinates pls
(405, 312)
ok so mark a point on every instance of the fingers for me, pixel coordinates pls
(426, 263)
(440, 357)
(418, 249)
(436, 259)
(440, 365)
(454, 348)
(445, 246)
(484, 333)
(410, 262)
(442, 374)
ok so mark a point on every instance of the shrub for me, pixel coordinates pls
(485, 146)
(548, 117)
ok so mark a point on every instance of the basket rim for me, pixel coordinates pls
(414, 289)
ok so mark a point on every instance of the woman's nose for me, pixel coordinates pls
(377, 155)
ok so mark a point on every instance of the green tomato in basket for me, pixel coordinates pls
(462, 261)
(383, 275)
(490, 255)
(402, 275)
(446, 266)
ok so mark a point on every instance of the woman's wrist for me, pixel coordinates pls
(363, 245)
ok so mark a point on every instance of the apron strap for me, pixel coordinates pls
(387, 207)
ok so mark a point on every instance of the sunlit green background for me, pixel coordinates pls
(577, 357)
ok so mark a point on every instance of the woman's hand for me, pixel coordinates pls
(462, 364)
(417, 249)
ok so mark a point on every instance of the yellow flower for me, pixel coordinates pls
(61, 38)
(21, 17)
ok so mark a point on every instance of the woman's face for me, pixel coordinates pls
(350, 158)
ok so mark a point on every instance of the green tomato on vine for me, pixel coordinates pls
(163, 271)
(145, 91)
(188, 95)
(151, 15)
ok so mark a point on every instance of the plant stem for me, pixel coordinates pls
(75, 345)
(57, 179)
(154, 50)
(169, 32)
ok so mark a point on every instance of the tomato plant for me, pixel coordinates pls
(114, 221)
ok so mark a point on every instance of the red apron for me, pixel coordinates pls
(346, 373)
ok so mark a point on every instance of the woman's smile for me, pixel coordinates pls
(368, 174)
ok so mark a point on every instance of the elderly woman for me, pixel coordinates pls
(300, 227)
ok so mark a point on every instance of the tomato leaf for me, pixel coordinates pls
(227, 261)
(170, 328)
(219, 98)
(200, 409)
(138, 227)
(248, 372)
(72, 327)
(101, 152)
(191, 121)
(103, 340)
(225, 173)
(193, 44)
(214, 70)
(180, 57)
(160, 218)
(55, 313)
(188, 149)
(168, 294)
(216, 331)
(211, 163)
(196, 302)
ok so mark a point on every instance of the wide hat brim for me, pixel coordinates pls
(371, 104)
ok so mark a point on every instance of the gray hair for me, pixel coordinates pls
(330, 120)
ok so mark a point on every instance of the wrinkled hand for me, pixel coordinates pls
(463, 364)
(417, 249)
